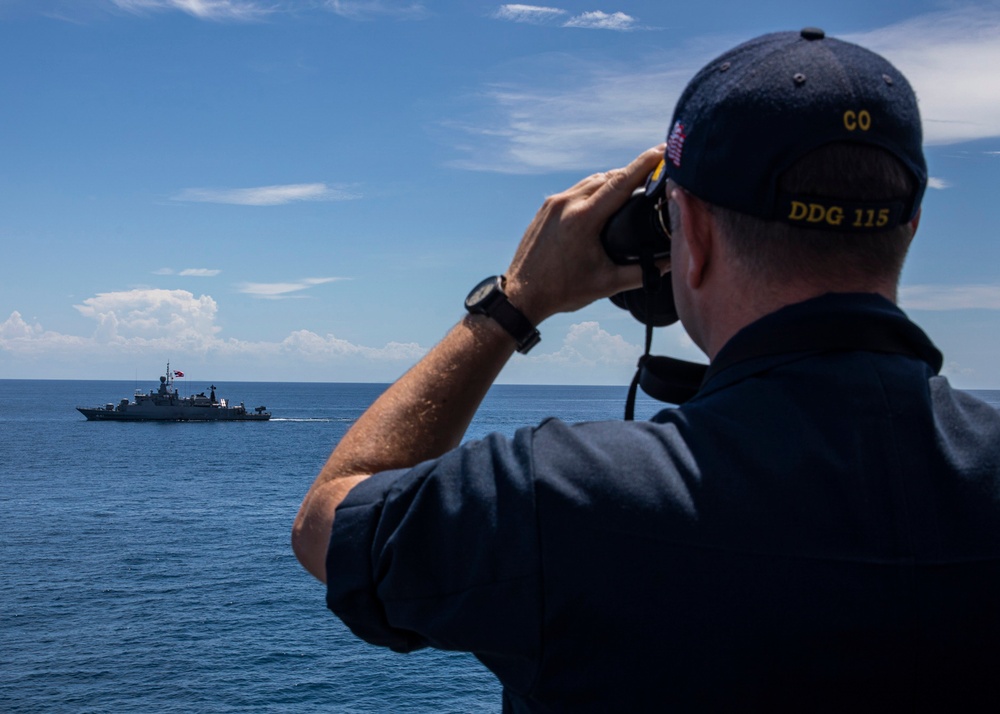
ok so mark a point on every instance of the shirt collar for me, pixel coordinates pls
(835, 322)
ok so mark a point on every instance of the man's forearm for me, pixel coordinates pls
(422, 416)
(426, 412)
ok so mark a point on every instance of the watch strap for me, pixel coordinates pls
(496, 305)
(513, 320)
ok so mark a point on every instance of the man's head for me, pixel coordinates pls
(755, 111)
(803, 156)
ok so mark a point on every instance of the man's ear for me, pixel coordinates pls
(697, 232)
(915, 223)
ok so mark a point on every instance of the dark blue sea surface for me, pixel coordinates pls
(147, 566)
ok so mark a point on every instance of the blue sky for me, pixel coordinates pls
(305, 190)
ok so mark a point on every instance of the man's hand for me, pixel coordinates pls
(560, 265)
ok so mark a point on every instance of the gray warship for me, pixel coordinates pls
(166, 405)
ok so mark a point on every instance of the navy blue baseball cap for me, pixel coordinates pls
(750, 114)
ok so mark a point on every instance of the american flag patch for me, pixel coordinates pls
(675, 144)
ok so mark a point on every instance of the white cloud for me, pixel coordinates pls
(281, 290)
(174, 315)
(151, 325)
(596, 117)
(371, 9)
(32, 342)
(950, 297)
(587, 343)
(189, 272)
(157, 322)
(601, 114)
(313, 346)
(202, 9)
(16, 328)
(543, 15)
(598, 20)
(938, 183)
(954, 370)
(949, 58)
(530, 14)
(266, 195)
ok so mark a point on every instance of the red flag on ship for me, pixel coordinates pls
(178, 374)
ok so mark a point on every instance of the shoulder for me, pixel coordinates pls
(611, 442)
(627, 465)
(571, 461)
(963, 421)
(949, 401)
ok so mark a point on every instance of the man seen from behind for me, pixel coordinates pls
(817, 529)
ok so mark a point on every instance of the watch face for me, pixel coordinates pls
(480, 292)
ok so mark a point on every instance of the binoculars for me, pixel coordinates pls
(639, 232)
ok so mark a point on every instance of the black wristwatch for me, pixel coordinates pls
(488, 298)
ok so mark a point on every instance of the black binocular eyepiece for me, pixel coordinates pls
(639, 232)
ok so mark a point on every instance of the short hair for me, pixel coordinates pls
(773, 250)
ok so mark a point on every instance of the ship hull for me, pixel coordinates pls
(172, 414)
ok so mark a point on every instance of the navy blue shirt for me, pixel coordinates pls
(818, 529)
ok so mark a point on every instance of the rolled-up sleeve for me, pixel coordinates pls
(446, 555)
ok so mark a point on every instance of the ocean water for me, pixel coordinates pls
(146, 566)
